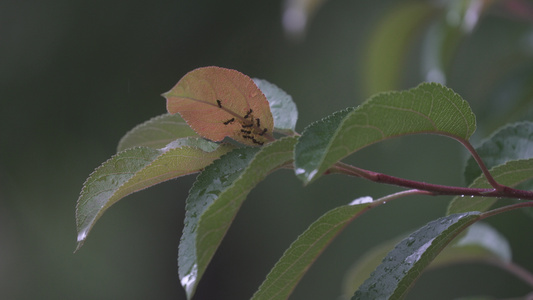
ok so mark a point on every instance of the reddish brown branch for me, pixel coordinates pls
(435, 189)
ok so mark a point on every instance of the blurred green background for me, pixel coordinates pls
(77, 75)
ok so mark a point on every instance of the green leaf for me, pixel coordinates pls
(215, 199)
(365, 265)
(402, 266)
(428, 108)
(138, 168)
(511, 142)
(390, 42)
(510, 174)
(288, 271)
(480, 241)
(156, 132)
(282, 107)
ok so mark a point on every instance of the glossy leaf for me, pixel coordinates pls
(156, 132)
(138, 168)
(282, 107)
(215, 199)
(402, 266)
(510, 174)
(288, 271)
(428, 108)
(218, 102)
(511, 142)
(365, 265)
(480, 242)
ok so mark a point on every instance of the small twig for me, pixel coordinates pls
(481, 165)
(506, 208)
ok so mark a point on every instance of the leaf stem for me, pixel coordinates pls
(506, 208)
(433, 189)
(481, 164)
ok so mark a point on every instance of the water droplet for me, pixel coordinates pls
(299, 171)
(462, 196)
(410, 241)
(82, 235)
(361, 200)
(411, 259)
(311, 175)
(188, 281)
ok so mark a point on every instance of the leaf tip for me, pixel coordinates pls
(189, 281)
(82, 235)
(305, 175)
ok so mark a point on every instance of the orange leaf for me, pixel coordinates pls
(218, 102)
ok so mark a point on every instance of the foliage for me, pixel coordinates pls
(235, 143)
(234, 131)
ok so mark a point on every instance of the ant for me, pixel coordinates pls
(229, 121)
(248, 113)
(263, 132)
(257, 142)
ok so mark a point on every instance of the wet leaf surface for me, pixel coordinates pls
(215, 199)
(403, 265)
(156, 132)
(138, 168)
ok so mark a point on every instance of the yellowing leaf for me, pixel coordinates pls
(218, 102)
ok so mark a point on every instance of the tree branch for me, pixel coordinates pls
(434, 189)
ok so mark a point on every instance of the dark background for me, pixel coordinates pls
(77, 75)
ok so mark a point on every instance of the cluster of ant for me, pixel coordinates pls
(249, 127)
